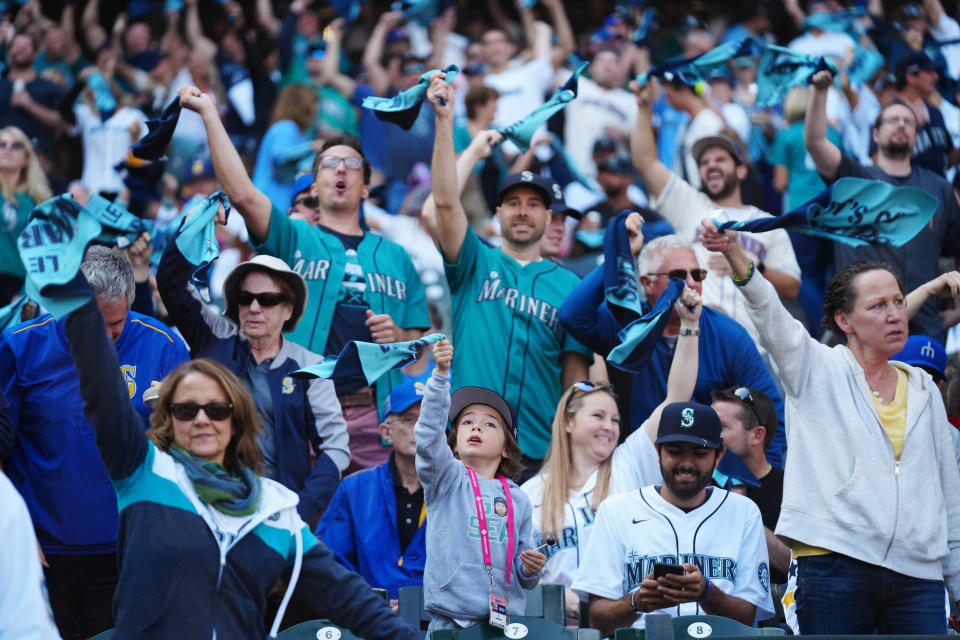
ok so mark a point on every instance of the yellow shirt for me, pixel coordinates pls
(893, 417)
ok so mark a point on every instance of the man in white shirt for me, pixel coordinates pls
(704, 122)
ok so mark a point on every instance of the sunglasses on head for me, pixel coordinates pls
(698, 275)
(16, 145)
(266, 299)
(332, 162)
(213, 410)
(310, 202)
(743, 394)
(582, 385)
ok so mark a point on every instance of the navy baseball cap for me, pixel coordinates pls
(690, 422)
(402, 397)
(923, 352)
(527, 179)
(466, 396)
(914, 62)
(617, 163)
(560, 205)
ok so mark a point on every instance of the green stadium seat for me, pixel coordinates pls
(705, 626)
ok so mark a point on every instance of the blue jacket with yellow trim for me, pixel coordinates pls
(360, 527)
(188, 572)
(305, 413)
(50, 454)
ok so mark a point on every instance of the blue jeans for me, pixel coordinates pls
(837, 594)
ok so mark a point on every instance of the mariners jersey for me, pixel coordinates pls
(52, 456)
(508, 334)
(723, 537)
(634, 465)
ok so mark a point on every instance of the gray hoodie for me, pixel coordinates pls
(843, 489)
(455, 582)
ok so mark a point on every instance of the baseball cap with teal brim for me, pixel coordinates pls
(690, 422)
(402, 397)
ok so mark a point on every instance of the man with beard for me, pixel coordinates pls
(506, 301)
(722, 168)
(895, 132)
(715, 536)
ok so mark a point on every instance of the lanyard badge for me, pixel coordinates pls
(498, 604)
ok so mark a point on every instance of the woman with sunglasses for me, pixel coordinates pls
(265, 299)
(203, 538)
(24, 186)
(584, 464)
(870, 505)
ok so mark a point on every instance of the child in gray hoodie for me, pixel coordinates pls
(472, 467)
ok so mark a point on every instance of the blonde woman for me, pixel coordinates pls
(584, 465)
(23, 185)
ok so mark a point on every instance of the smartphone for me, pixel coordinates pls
(661, 569)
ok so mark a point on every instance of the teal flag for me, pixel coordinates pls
(403, 108)
(102, 95)
(865, 63)
(694, 70)
(10, 314)
(370, 359)
(197, 240)
(837, 21)
(855, 212)
(119, 225)
(521, 131)
(781, 69)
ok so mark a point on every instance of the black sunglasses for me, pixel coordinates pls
(743, 394)
(310, 202)
(266, 299)
(698, 275)
(189, 410)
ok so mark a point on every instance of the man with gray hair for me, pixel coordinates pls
(728, 356)
(49, 450)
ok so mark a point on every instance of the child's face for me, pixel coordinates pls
(480, 435)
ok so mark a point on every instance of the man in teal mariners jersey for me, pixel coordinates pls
(361, 286)
(50, 454)
(505, 301)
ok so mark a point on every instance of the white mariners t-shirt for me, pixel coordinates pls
(633, 530)
(588, 117)
(634, 465)
(684, 207)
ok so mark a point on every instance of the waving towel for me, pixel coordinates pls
(197, 240)
(856, 212)
(781, 69)
(370, 359)
(521, 131)
(403, 108)
(160, 131)
(694, 70)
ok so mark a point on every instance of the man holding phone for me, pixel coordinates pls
(683, 547)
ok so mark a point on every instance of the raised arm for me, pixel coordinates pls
(93, 32)
(566, 43)
(435, 462)
(686, 359)
(194, 30)
(826, 156)
(643, 145)
(373, 52)
(331, 62)
(451, 220)
(252, 204)
(946, 284)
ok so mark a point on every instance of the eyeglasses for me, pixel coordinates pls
(406, 421)
(584, 386)
(266, 299)
(310, 202)
(332, 162)
(698, 275)
(905, 121)
(189, 410)
(16, 145)
(743, 394)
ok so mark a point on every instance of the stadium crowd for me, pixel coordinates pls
(302, 299)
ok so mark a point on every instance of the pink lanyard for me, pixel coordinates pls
(482, 523)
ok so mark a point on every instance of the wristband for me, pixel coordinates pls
(706, 592)
(632, 605)
(689, 332)
(740, 281)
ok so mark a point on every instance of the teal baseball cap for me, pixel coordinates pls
(690, 422)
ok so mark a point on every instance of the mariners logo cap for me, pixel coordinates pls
(690, 422)
(541, 185)
(923, 352)
(402, 397)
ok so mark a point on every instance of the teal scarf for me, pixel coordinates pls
(232, 495)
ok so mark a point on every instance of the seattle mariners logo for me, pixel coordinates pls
(526, 176)
(686, 418)
(286, 385)
(764, 574)
(129, 372)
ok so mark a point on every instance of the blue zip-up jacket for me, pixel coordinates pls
(49, 453)
(305, 412)
(360, 527)
(186, 572)
(728, 357)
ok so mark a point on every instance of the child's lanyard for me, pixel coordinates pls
(482, 523)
